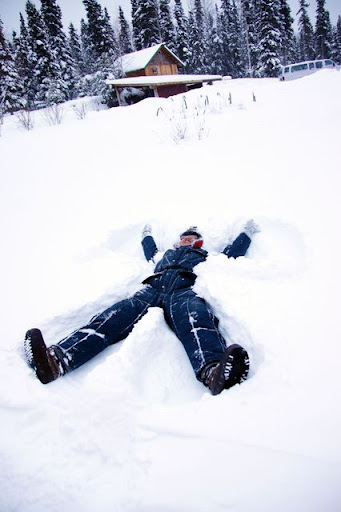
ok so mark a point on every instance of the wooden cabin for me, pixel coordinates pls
(156, 60)
(153, 71)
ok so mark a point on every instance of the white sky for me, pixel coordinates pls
(73, 10)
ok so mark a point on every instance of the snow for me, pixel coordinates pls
(133, 430)
(163, 79)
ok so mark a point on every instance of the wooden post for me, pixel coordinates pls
(117, 89)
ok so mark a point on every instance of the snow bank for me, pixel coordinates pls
(133, 430)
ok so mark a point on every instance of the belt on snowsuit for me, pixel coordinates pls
(183, 273)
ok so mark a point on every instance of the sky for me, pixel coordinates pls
(73, 10)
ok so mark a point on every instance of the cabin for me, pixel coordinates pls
(154, 71)
(156, 60)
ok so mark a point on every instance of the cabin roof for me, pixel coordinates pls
(139, 60)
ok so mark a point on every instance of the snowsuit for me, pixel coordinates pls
(170, 288)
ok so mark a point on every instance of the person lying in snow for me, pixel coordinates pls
(215, 364)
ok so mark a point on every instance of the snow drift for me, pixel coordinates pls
(133, 430)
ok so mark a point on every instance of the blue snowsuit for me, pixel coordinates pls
(169, 288)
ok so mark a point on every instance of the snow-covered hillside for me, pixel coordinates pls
(133, 431)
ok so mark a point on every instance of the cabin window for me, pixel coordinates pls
(328, 62)
(154, 71)
(319, 64)
(311, 65)
(286, 70)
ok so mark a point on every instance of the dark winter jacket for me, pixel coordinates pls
(175, 269)
(187, 314)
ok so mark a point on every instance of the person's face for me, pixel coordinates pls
(187, 240)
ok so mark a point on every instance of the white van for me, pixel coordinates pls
(292, 71)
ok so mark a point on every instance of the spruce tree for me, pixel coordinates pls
(94, 27)
(197, 39)
(88, 54)
(11, 87)
(214, 44)
(249, 38)
(124, 37)
(230, 38)
(40, 55)
(52, 16)
(20, 78)
(199, 18)
(62, 84)
(110, 50)
(336, 47)
(224, 26)
(167, 31)
(191, 64)
(288, 51)
(109, 34)
(75, 49)
(269, 38)
(99, 51)
(76, 66)
(236, 40)
(145, 19)
(323, 32)
(99, 38)
(134, 23)
(181, 31)
(24, 64)
(305, 33)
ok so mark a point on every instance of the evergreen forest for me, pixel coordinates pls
(45, 63)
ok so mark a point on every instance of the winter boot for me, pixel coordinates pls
(42, 359)
(233, 368)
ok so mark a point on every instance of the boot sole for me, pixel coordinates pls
(36, 355)
(232, 369)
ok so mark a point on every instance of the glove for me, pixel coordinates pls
(146, 231)
(251, 228)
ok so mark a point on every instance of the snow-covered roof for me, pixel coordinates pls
(144, 81)
(140, 59)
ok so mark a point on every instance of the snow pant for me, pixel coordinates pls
(187, 314)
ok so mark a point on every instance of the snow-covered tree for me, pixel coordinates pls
(145, 20)
(124, 37)
(24, 65)
(305, 33)
(336, 46)
(98, 37)
(231, 39)
(11, 86)
(77, 66)
(75, 48)
(167, 30)
(288, 42)
(109, 33)
(181, 31)
(88, 55)
(63, 80)
(52, 16)
(94, 27)
(249, 38)
(323, 31)
(214, 44)
(110, 50)
(269, 37)
(197, 39)
(99, 51)
(40, 55)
